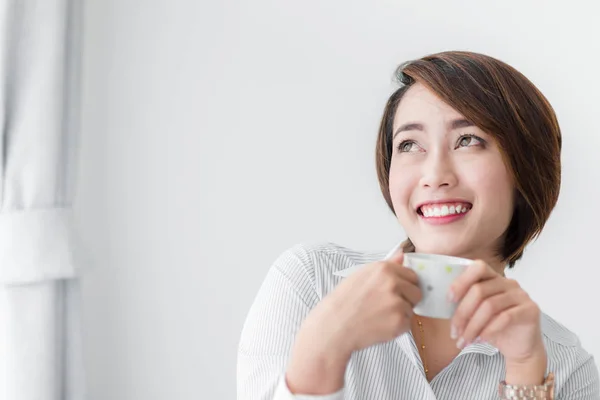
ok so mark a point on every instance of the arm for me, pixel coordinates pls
(284, 300)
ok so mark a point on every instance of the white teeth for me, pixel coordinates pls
(442, 210)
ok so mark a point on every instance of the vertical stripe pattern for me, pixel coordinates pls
(301, 276)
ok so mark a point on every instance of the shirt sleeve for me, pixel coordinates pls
(583, 383)
(284, 299)
(283, 393)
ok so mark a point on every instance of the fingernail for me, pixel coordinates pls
(450, 296)
(453, 332)
(460, 343)
(478, 340)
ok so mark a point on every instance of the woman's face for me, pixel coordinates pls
(449, 186)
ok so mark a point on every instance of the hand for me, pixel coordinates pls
(372, 305)
(497, 310)
(375, 304)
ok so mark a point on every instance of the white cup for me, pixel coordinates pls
(436, 273)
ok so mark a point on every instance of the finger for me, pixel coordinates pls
(407, 311)
(471, 301)
(475, 272)
(397, 257)
(487, 311)
(408, 275)
(527, 311)
(410, 292)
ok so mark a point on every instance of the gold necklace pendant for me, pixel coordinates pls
(422, 351)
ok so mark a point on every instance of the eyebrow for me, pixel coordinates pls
(416, 126)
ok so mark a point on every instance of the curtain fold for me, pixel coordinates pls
(40, 338)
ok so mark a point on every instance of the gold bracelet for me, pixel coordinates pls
(545, 391)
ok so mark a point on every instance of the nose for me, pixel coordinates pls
(438, 171)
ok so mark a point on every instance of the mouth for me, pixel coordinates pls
(444, 210)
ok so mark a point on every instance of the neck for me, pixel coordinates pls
(491, 260)
(434, 327)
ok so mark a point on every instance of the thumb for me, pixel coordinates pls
(397, 257)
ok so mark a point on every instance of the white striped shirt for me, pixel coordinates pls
(303, 275)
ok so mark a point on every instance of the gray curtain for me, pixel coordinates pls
(40, 347)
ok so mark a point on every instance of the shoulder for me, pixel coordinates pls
(323, 256)
(563, 346)
(566, 356)
(557, 334)
(574, 367)
(313, 263)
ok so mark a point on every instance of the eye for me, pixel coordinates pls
(407, 146)
(469, 141)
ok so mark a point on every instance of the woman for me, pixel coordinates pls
(468, 159)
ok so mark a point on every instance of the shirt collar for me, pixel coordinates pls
(408, 345)
(481, 348)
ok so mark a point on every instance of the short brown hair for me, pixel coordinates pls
(504, 103)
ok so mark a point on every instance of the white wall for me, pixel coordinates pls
(217, 134)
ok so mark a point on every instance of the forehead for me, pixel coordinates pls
(420, 104)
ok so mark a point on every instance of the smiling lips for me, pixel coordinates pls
(443, 212)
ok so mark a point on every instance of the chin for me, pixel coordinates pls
(439, 247)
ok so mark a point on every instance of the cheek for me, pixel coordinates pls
(403, 181)
(495, 190)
